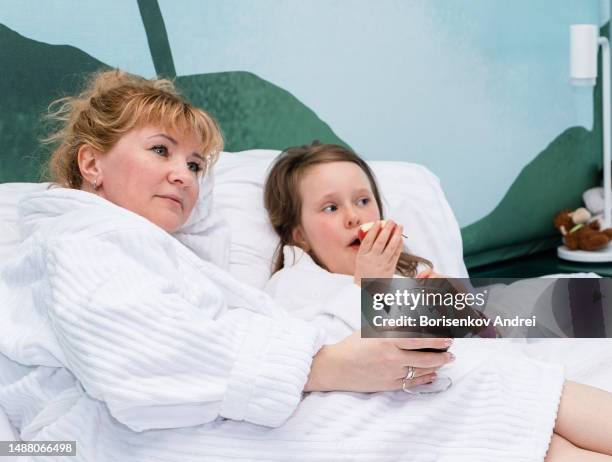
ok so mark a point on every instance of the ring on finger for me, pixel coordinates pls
(409, 376)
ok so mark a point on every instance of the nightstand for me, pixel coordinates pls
(538, 264)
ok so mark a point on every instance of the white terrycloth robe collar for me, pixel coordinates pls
(205, 233)
(39, 211)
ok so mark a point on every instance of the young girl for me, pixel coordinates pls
(317, 197)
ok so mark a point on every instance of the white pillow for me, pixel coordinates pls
(411, 194)
(239, 197)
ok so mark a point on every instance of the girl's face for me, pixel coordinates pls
(154, 173)
(336, 199)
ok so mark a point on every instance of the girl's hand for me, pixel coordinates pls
(429, 273)
(375, 364)
(379, 252)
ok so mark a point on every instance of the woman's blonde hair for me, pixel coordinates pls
(113, 103)
(283, 202)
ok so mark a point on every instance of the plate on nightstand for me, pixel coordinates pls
(594, 256)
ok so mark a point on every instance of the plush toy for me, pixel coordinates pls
(577, 233)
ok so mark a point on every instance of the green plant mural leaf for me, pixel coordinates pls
(35, 74)
(253, 113)
(522, 223)
(157, 37)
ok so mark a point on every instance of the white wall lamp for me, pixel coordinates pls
(584, 43)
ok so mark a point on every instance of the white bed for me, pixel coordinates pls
(7, 433)
(412, 196)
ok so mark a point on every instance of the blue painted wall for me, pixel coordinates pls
(473, 89)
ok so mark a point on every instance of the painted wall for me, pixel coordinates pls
(474, 89)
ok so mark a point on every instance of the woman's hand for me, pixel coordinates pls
(429, 273)
(375, 364)
(379, 252)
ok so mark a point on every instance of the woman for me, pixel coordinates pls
(114, 334)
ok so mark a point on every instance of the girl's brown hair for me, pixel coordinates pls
(283, 203)
(113, 103)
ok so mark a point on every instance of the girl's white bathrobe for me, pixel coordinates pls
(114, 334)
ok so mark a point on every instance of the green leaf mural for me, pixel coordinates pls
(521, 224)
(157, 38)
(253, 113)
(35, 74)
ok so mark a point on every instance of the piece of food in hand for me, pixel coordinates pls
(366, 227)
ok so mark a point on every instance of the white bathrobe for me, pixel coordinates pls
(113, 334)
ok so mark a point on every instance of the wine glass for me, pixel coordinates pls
(441, 383)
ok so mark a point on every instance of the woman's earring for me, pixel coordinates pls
(95, 185)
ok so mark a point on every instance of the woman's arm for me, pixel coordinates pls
(161, 358)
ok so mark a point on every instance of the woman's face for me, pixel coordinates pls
(155, 173)
(336, 199)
